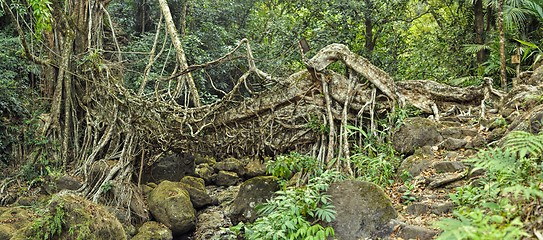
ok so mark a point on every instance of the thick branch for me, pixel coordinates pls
(372, 73)
(170, 26)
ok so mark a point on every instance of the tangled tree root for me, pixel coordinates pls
(308, 111)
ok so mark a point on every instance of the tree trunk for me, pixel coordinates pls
(183, 18)
(489, 23)
(479, 28)
(368, 23)
(503, 73)
(181, 59)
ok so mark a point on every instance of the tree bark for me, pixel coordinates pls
(181, 59)
(368, 23)
(183, 18)
(479, 28)
(503, 64)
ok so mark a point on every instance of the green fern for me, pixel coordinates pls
(526, 192)
(501, 165)
(295, 212)
(493, 209)
(525, 144)
(475, 48)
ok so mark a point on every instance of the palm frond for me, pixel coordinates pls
(515, 17)
(535, 7)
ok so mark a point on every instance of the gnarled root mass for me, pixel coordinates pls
(118, 131)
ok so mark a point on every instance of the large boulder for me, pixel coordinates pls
(231, 165)
(453, 144)
(170, 204)
(226, 178)
(79, 219)
(537, 77)
(172, 168)
(252, 192)
(197, 191)
(205, 172)
(255, 168)
(415, 133)
(54, 185)
(457, 132)
(201, 159)
(415, 232)
(153, 231)
(520, 100)
(363, 209)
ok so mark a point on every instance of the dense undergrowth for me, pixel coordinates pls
(505, 202)
(300, 208)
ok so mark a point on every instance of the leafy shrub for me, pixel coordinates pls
(50, 225)
(478, 224)
(296, 212)
(14, 72)
(285, 166)
(379, 170)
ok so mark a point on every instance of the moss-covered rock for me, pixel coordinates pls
(170, 204)
(205, 172)
(13, 219)
(171, 168)
(255, 168)
(519, 101)
(226, 178)
(363, 209)
(197, 191)
(73, 217)
(231, 165)
(415, 133)
(252, 192)
(146, 189)
(153, 231)
(418, 162)
(55, 184)
(202, 159)
(530, 121)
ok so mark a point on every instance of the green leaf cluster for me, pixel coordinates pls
(50, 225)
(285, 166)
(41, 9)
(295, 212)
(14, 92)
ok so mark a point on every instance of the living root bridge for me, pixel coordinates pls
(284, 117)
(308, 111)
(121, 131)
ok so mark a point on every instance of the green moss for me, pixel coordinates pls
(72, 217)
